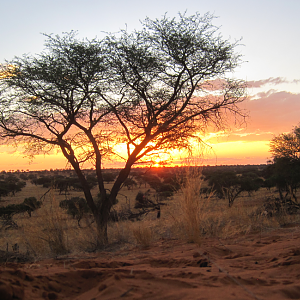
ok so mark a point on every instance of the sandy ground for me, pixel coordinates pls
(253, 266)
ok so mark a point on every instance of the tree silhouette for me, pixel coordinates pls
(284, 173)
(225, 184)
(286, 145)
(11, 185)
(152, 89)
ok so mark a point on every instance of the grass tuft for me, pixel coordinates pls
(143, 234)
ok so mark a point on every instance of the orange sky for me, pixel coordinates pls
(269, 47)
(271, 108)
(238, 152)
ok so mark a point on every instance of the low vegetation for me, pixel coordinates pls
(183, 203)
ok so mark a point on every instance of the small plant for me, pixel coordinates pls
(143, 234)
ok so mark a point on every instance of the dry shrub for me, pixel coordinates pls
(46, 234)
(234, 220)
(143, 233)
(188, 211)
(86, 238)
(120, 232)
(196, 216)
(190, 208)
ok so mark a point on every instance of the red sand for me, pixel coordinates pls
(253, 266)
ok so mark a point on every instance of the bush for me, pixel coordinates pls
(142, 200)
(7, 212)
(76, 207)
(32, 204)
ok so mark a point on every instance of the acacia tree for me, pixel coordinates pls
(286, 145)
(285, 170)
(150, 89)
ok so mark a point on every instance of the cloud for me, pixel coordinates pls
(242, 136)
(270, 113)
(271, 80)
(273, 111)
(218, 84)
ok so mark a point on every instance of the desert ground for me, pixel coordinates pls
(196, 250)
(253, 266)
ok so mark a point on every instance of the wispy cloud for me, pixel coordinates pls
(271, 80)
(273, 111)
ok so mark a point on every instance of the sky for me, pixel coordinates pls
(270, 47)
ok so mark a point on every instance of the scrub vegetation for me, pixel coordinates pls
(194, 209)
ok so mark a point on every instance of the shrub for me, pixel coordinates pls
(76, 207)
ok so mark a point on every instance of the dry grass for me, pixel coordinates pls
(46, 233)
(143, 233)
(189, 216)
(191, 209)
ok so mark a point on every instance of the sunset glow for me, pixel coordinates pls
(223, 153)
(270, 65)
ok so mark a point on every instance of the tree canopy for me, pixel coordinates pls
(285, 170)
(152, 89)
(286, 145)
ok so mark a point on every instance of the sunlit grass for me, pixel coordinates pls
(189, 216)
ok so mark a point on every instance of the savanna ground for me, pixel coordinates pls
(199, 248)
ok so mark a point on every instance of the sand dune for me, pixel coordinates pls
(254, 266)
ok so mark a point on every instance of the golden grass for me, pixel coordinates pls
(188, 215)
(46, 233)
(143, 233)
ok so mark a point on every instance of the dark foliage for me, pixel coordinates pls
(228, 184)
(11, 185)
(7, 212)
(109, 177)
(142, 200)
(129, 183)
(276, 206)
(76, 207)
(284, 174)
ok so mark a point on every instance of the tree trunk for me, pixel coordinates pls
(101, 223)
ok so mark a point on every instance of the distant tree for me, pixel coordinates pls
(11, 185)
(140, 180)
(129, 183)
(45, 181)
(251, 182)
(165, 190)
(225, 184)
(152, 180)
(108, 177)
(172, 179)
(286, 145)
(284, 172)
(152, 90)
